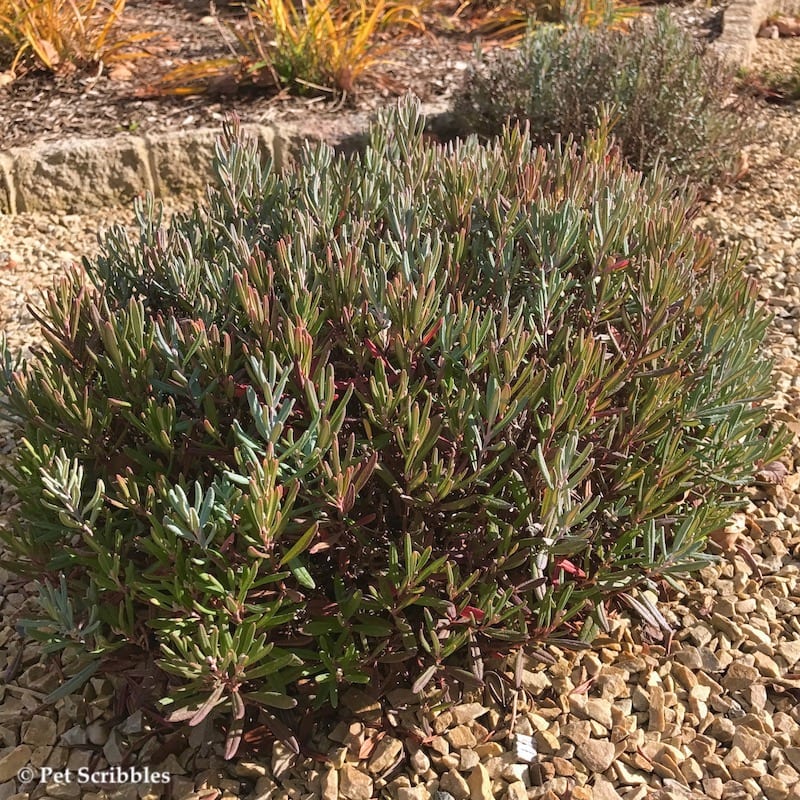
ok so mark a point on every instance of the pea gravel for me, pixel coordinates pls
(709, 711)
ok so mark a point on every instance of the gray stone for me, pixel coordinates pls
(114, 749)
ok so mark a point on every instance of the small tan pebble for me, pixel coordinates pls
(440, 745)
(657, 718)
(733, 790)
(517, 772)
(773, 788)
(442, 722)
(461, 736)
(535, 682)
(739, 676)
(603, 789)
(329, 785)
(563, 766)
(419, 792)
(487, 750)
(713, 788)
(596, 754)
(751, 745)
(577, 732)
(518, 791)
(362, 704)
(548, 743)
(467, 712)
(283, 759)
(454, 783)
(387, 752)
(337, 757)
(420, 762)
(354, 784)
(628, 775)
(599, 709)
(39, 731)
(468, 759)
(450, 761)
(789, 650)
(691, 770)
(542, 772)
(13, 760)
(480, 784)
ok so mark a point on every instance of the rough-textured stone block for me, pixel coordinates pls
(181, 161)
(8, 203)
(81, 174)
(741, 21)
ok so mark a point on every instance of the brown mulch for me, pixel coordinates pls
(41, 107)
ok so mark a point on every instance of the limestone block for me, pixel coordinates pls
(181, 160)
(80, 174)
(8, 203)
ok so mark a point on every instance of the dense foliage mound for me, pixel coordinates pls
(380, 418)
(670, 100)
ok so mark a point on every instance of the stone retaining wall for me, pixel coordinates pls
(84, 174)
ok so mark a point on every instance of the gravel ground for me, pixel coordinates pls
(712, 713)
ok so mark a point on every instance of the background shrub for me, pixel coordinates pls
(379, 419)
(669, 98)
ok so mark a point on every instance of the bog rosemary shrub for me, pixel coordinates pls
(378, 418)
(671, 99)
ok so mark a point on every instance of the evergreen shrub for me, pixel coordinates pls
(671, 99)
(379, 419)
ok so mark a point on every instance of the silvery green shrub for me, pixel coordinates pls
(379, 419)
(670, 99)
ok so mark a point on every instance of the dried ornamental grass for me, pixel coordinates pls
(65, 35)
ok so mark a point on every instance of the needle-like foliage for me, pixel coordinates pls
(378, 419)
